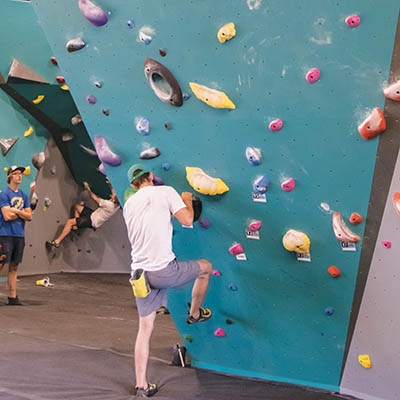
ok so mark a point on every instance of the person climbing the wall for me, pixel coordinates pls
(85, 217)
(15, 211)
(148, 217)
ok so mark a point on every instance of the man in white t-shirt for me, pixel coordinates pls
(85, 217)
(148, 216)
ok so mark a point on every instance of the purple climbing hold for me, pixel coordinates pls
(104, 152)
(157, 181)
(91, 99)
(353, 20)
(276, 125)
(101, 169)
(313, 75)
(204, 223)
(94, 14)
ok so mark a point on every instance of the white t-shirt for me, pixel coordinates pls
(103, 212)
(148, 217)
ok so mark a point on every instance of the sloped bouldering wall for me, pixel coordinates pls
(284, 319)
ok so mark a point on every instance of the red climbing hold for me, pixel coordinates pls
(373, 125)
(334, 271)
(355, 218)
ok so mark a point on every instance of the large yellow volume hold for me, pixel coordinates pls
(214, 98)
(296, 241)
(203, 183)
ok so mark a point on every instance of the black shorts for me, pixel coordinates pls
(84, 220)
(12, 248)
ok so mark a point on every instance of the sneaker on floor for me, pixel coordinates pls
(14, 301)
(205, 315)
(50, 245)
(151, 390)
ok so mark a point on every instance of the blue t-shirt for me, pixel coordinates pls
(18, 200)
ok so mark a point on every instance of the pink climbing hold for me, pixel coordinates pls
(288, 185)
(220, 332)
(254, 226)
(313, 75)
(353, 20)
(236, 249)
(276, 125)
(104, 152)
(387, 244)
(215, 272)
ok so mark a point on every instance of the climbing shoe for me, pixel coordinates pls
(14, 301)
(50, 245)
(205, 314)
(151, 390)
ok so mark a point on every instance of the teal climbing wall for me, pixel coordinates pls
(279, 329)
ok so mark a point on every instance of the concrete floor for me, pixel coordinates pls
(75, 340)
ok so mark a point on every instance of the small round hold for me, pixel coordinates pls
(355, 218)
(91, 99)
(60, 79)
(130, 24)
(185, 96)
(105, 111)
(276, 125)
(329, 311)
(98, 84)
(313, 75)
(162, 52)
(166, 166)
(334, 271)
(53, 60)
(387, 244)
(353, 20)
(229, 321)
(232, 287)
(167, 126)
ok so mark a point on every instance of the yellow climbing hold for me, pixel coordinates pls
(64, 87)
(27, 171)
(38, 99)
(227, 32)
(214, 98)
(28, 132)
(364, 360)
(203, 183)
(296, 241)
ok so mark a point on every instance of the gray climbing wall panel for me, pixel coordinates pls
(279, 326)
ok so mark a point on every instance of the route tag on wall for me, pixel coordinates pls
(252, 235)
(347, 246)
(303, 257)
(259, 197)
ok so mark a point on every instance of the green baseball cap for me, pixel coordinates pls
(141, 171)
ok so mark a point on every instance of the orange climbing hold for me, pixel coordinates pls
(396, 202)
(334, 271)
(373, 125)
(355, 218)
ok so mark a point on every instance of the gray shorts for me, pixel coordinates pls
(176, 274)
